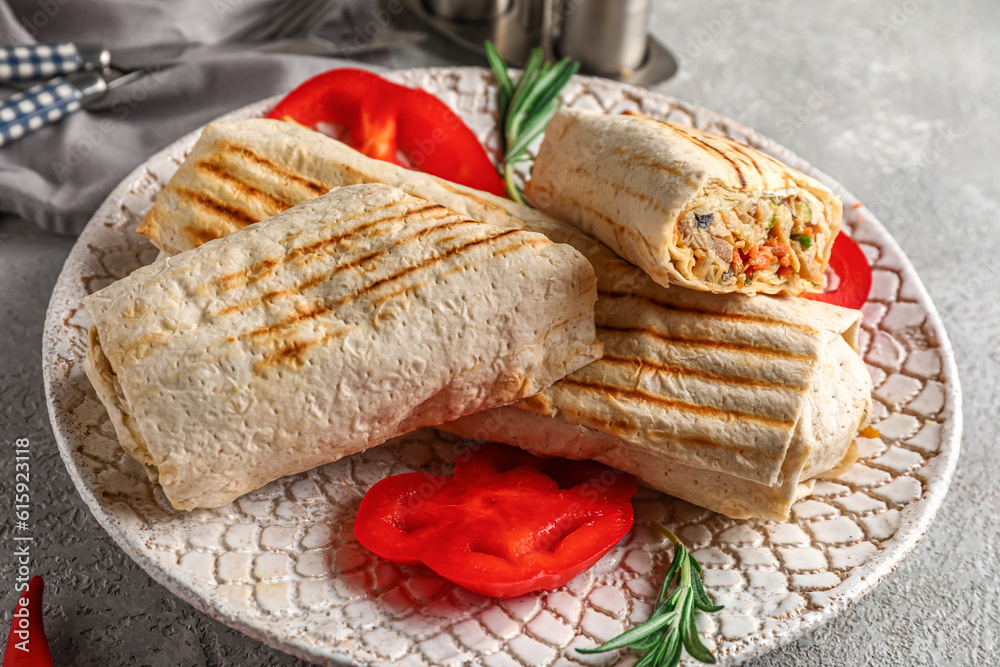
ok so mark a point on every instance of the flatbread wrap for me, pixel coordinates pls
(690, 207)
(785, 344)
(733, 403)
(328, 329)
(244, 171)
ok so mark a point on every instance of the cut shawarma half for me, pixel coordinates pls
(691, 208)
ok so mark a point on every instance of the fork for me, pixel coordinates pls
(86, 82)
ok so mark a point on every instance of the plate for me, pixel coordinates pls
(282, 565)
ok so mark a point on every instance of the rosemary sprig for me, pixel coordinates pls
(671, 627)
(525, 108)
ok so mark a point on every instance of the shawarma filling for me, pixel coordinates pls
(743, 238)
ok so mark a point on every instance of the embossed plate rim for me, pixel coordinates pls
(915, 517)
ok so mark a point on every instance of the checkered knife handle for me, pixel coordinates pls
(36, 107)
(39, 61)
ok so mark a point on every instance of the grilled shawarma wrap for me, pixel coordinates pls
(628, 298)
(244, 171)
(326, 330)
(692, 208)
(731, 402)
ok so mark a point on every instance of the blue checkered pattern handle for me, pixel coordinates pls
(36, 107)
(40, 61)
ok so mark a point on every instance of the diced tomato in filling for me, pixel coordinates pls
(737, 265)
(780, 250)
(764, 256)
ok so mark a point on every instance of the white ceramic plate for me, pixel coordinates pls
(282, 564)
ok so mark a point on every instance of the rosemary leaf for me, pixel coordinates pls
(499, 67)
(635, 634)
(534, 127)
(672, 628)
(526, 107)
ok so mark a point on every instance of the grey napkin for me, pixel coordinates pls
(59, 175)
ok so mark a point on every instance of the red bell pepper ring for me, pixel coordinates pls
(383, 116)
(27, 645)
(507, 522)
(848, 261)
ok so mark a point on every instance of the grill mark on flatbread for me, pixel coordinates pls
(782, 169)
(301, 314)
(485, 203)
(266, 298)
(300, 287)
(704, 144)
(621, 428)
(385, 298)
(641, 196)
(311, 251)
(615, 392)
(292, 353)
(742, 150)
(449, 225)
(699, 142)
(318, 311)
(704, 312)
(632, 159)
(243, 189)
(430, 261)
(201, 235)
(460, 268)
(640, 364)
(274, 168)
(536, 403)
(616, 228)
(353, 264)
(320, 278)
(707, 342)
(253, 273)
(221, 209)
(533, 242)
(265, 267)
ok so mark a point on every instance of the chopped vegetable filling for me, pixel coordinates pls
(737, 238)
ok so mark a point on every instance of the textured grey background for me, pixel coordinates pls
(897, 100)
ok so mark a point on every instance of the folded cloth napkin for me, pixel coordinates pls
(59, 175)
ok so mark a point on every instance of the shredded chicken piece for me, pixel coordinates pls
(739, 237)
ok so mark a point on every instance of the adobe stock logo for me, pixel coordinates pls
(26, 642)
(27, 645)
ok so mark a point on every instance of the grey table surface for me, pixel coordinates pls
(896, 99)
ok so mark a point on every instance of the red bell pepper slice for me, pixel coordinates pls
(382, 117)
(848, 261)
(27, 645)
(505, 524)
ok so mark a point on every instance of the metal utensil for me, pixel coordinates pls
(50, 101)
(468, 10)
(515, 31)
(290, 18)
(41, 61)
(163, 55)
(637, 58)
(610, 38)
(80, 87)
(606, 36)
